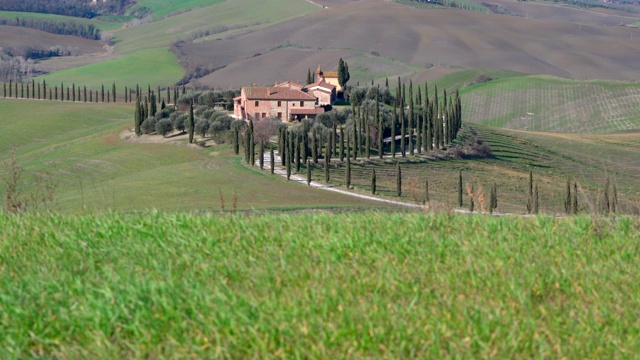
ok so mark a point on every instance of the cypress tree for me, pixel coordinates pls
(168, 95)
(411, 118)
(39, 94)
(33, 89)
(536, 200)
(614, 199)
(460, 189)
(530, 198)
(308, 172)
(73, 90)
(334, 139)
(426, 192)
(297, 152)
(113, 91)
(44, 87)
(4, 93)
(152, 104)
(159, 94)
(341, 144)
(373, 181)
(326, 166)
(436, 120)
(50, 94)
(192, 123)
(22, 90)
(347, 174)
(471, 203)
(56, 92)
(252, 145)
(493, 200)
(314, 146)
(355, 137)
(309, 76)
(16, 90)
(303, 147)
(90, 96)
(236, 139)
(567, 200)
(288, 156)
(28, 93)
(85, 93)
(393, 129)
(10, 88)
(380, 124)
(102, 92)
(283, 152)
(272, 160)
(138, 118)
(403, 132)
(398, 179)
(261, 155)
(328, 149)
(126, 94)
(367, 131)
(574, 203)
(163, 105)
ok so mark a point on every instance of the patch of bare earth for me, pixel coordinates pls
(175, 138)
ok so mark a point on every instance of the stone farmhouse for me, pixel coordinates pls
(289, 101)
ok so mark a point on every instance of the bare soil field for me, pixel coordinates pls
(19, 38)
(563, 13)
(428, 36)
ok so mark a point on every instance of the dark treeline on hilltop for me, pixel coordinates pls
(76, 8)
(86, 31)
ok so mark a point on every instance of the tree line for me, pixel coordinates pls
(75, 8)
(87, 31)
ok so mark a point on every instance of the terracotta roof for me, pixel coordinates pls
(330, 74)
(275, 93)
(320, 83)
(290, 84)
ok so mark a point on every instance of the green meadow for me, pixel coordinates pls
(366, 285)
(78, 148)
(152, 67)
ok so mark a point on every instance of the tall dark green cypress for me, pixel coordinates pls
(403, 130)
(73, 90)
(22, 90)
(90, 95)
(308, 172)
(567, 199)
(44, 87)
(138, 118)
(334, 138)
(39, 94)
(426, 192)
(272, 160)
(252, 145)
(314, 146)
(102, 92)
(113, 92)
(614, 199)
(347, 174)
(493, 199)
(398, 179)
(4, 93)
(341, 144)
(85, 93)
(297, 152)
(380, 125)
(367, 132)
(289, 154)
(192, 123)
(411, 118)
(326, 167)
(126, 94)
(574, 203)
(28, 92)
(393, 129)
(355, 137)
(373, 181)
(471, 200)
(261, 155)
(460, 189)
(236, 139)
(536, 200)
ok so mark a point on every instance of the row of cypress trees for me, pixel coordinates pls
(73, 93)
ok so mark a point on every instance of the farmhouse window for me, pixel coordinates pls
(279, 115)
(257, 103)
(257, 116)
(301, 103)
(264, 115)
(279, 103)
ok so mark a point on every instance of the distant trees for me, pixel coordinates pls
(87, 31)
(76, 8)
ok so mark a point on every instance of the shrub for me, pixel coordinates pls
(163, 114)
(149, 125)
(164, 127)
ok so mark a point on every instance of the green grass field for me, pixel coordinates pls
(542, 103)
(370, 285)
(79, 148)
(102, 25)
(153, 67)
(162, 8)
